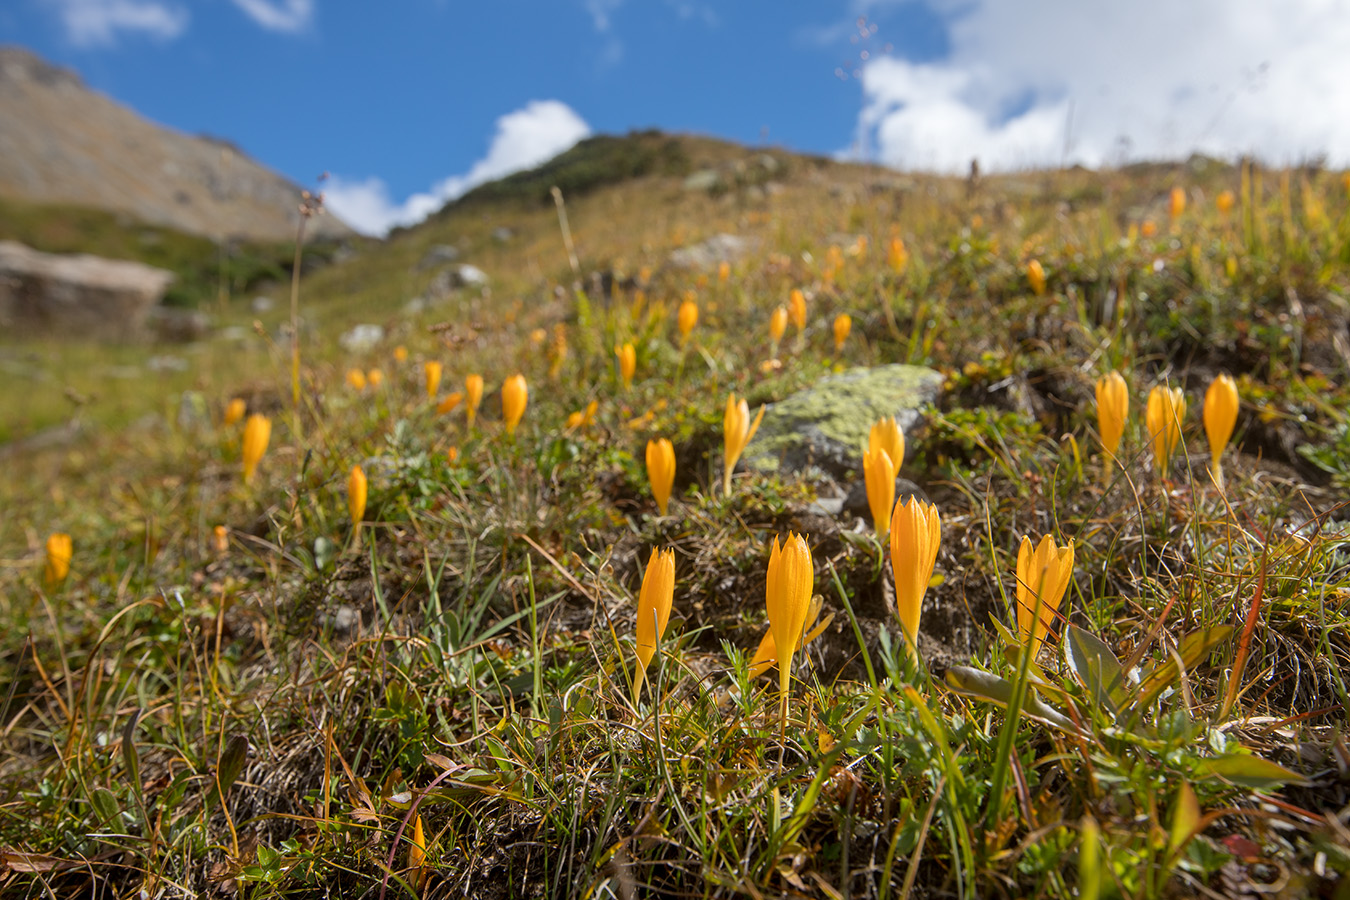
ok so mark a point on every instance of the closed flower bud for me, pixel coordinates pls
(1113, 408)
(1220, 414)
(59, 554)
(432, 370)
(1163, 417)
(515, 394)
(654, 603)
(356, 494)
(843, 324)
(473, 395)
(257, 434)
(661, 470)
(916, 534)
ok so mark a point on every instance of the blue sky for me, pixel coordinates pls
(414, 103)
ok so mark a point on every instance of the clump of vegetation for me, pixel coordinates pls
(1071, 662)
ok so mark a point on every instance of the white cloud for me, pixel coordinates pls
(90, 23)
(1149, 79)
(279, 15)
(600, 11)
(525, 138)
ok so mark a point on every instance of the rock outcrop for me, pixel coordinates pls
(77, 295)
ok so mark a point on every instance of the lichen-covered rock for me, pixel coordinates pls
(826, 425)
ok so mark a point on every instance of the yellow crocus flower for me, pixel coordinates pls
(234, 411)
(737, 430)
(916, 534)
(1113, 408)
(356, 495)
(432, 370)
(1220, 414)
(654, 602)
(59, 554)
(879, 477)
(885, 434)
(473, 395)
(627, 364)
(257, 434)
(515, 394)
(787, 597)
(1043, 574)
(843, 324)
(661, 470)
(1163, 417)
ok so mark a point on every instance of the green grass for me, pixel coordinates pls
(270, 717)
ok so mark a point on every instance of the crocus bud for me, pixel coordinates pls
(687, 318)
(432, 370)
(896, 255)
(879, 477)
(356, 495)
(59, 554)
(356, 379)
(843, 324)
(1113, 408)
(1220, 414)
(234, 411)
(797, 309)
(787, 597)
(778, 324)
(1163, 416)
(916, 534)
(654, 602)
(473, 395)
(627, 364)
(1036, 276)
(661, 470)
(1176, 202)
(257, 433)
(885, 434)
(515, 394)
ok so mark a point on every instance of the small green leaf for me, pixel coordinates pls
(108, 809)
(984, 686)
(1247, 770)
(228, 767)
(1096, 668)
(1184, 819)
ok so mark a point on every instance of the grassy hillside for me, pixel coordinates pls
(236, 690)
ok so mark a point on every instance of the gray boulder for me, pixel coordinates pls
(455, 278)
(76, 295)
(826, 426)
(707, 254)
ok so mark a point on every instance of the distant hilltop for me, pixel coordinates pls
(61, 142)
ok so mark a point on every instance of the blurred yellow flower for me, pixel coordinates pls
(234, 411)
(1224, 202)
(257, 434)
(737, 430)
(627, 364)
(723, 271)
(60, 551)
(896, 255)
(886, 435)
(654, 602)
(1043, 574)
(1220, 415)
(374, 378)
(449, 403)
(452, 455)
(687, 318)
(1176, 202)
(916, 534)
(1163, 417)
(400, 354)
(843, 324)
(515, 394)
(1036, 276)
(432, 370)
(356, 379)
(220, 539)
(797, 309)
(356, 495)
(1113, 409)
(1148, 229)
(778, 324)
(661, 470)
(473, 395)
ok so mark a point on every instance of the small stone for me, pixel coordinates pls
(361, 338)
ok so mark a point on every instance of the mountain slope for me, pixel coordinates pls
(61, 142)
